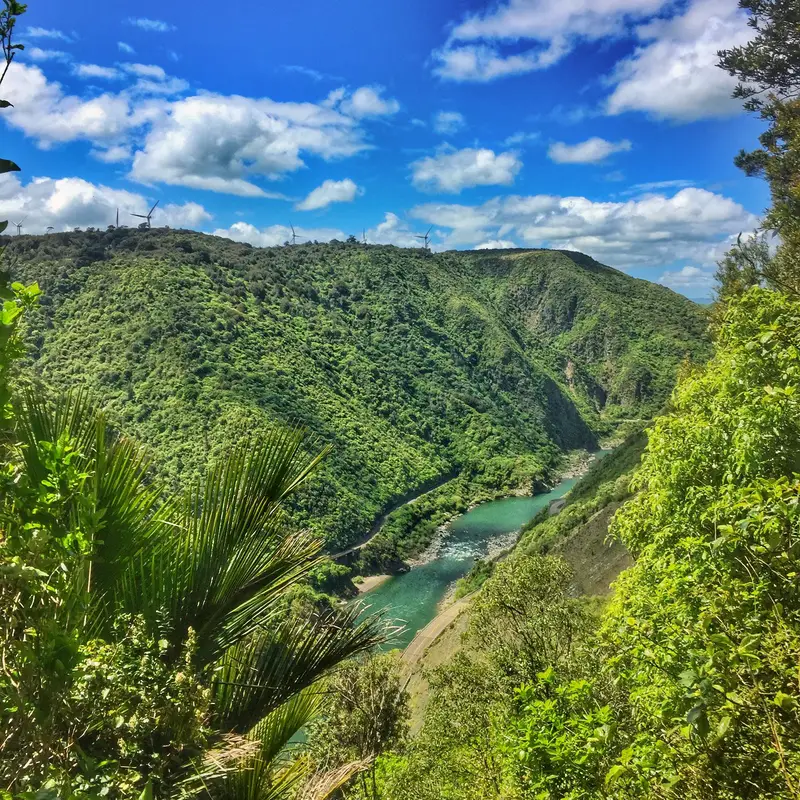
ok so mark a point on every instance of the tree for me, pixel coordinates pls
(746, 264)
(768, 69)
(365, 716)
(524, 617)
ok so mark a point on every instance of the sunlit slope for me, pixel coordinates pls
(410, 364)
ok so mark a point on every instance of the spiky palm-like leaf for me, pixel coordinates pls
(227, 557)
(261, 673)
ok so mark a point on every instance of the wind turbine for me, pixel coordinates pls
(19, 225)
(364, 235)
(427, 237)
(295, 237)
(148, 214)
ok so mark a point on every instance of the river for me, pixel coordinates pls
(412, 599)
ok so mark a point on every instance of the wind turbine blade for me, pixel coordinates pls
(154, 206)
(429, 230)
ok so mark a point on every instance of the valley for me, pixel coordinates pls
(413, 366)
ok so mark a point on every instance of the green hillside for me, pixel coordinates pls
(412, 365)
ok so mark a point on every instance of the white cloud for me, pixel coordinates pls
(673, 75)
(545, 20)
(591, 151)
(38, 54)
(448, 122)
(496, 244)
(151, 25)
(96, 71)
(482, 63)
(146, 71)
(206, 141)
(43, 110)
(521, 137)
(653, 186)
(472, 52)
(690, 281)
(453, 170)
(276, 234)
(366, 101)
(113, 154)
(309, 72)
(67, 203)
(328, 192)
(393, 230)
(46, 33)
(124, 47)
(216, 142)
(649, 231)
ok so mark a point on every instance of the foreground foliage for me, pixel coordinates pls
(144, 636)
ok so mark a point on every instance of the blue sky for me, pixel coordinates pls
(595, 125)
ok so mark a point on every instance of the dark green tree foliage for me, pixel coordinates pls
(768, 68)
(412, 365)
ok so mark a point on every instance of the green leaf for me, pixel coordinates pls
(615, 773)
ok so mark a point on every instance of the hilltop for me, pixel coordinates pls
(412, 365)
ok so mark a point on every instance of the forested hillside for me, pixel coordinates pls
(412, 365)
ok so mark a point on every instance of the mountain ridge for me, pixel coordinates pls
(411, 364)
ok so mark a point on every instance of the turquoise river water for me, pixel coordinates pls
(411, 599)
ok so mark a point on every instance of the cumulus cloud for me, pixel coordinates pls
(216, 142)
(66, 203)
(328, 192)
(205, 141)
(276, 234)
(96, 71)
(673, 74)
(453, 170)
(448, 122)
(44, 111)
(151, 25)
(691, 281)
(591, 151)
(366, 101)
(649, 231)
(473, 51)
